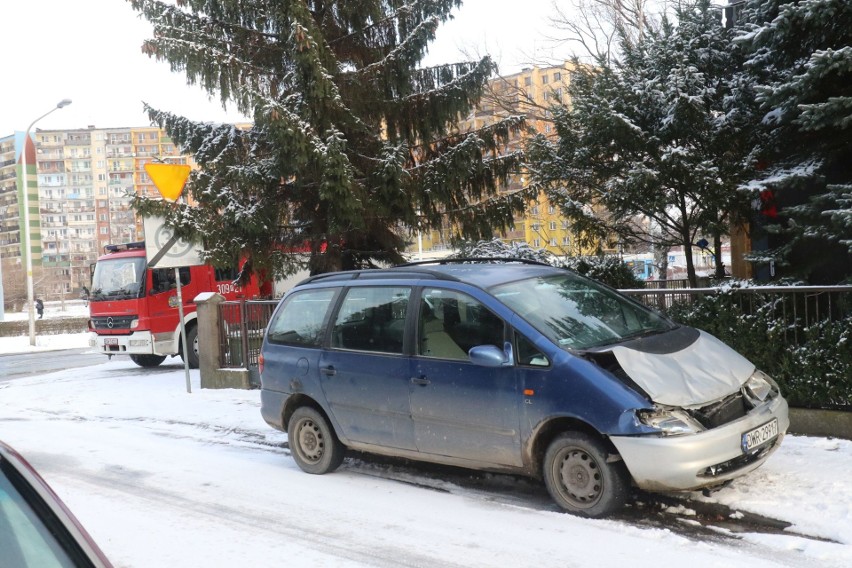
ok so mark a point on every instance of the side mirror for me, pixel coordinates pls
(490, 356)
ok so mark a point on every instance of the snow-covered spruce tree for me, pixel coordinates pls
(800, 58)
(653, 138)
(351, 143)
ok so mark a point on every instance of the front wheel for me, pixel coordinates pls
(580, 479)
(148, 360)
(192, 343)
(313, 443)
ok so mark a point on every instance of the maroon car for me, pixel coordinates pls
(36, 528)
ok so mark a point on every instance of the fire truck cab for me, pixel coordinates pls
(133, 309)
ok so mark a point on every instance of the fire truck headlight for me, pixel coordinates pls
(134, 324)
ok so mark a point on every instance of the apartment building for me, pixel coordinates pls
(81, 184)
(530, 93)
(10, 212)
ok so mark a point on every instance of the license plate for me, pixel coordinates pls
(111, 341)
(760, 435)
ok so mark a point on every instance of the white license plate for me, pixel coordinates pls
(111, 341)
(760, 435)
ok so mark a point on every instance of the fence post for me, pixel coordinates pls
(208, 336)
(244, 333)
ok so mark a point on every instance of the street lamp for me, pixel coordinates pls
(28, 252)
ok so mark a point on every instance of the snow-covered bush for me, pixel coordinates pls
(610, 270)
(815, 373)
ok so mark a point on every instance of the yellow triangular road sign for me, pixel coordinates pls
(169, 178)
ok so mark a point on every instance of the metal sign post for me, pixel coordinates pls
(163, 249)
(182, 330)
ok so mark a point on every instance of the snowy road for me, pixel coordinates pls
(165, 478)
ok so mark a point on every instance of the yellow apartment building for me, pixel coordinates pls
(530, 93)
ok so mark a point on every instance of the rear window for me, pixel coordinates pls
(372, 319)
(300, 320)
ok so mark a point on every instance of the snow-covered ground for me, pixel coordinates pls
(44, 342)
(163, 478)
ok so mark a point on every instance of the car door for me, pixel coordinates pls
(364, 372)
(459, 409)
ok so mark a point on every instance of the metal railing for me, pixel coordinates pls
(241, 331)
(797, 307)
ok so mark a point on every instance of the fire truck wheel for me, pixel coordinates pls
(147, 360)
(192, 342)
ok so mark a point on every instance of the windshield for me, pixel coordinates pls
(577, 313)
(118, 279)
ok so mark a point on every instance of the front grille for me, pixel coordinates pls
(112, 322)
(727, 410)
(740, 461)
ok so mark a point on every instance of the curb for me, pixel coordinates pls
(826, 423)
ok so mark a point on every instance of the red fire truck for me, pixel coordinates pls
(133, 310)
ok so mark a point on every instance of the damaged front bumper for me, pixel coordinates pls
(703, 459)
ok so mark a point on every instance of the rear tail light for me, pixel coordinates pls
(260, 364)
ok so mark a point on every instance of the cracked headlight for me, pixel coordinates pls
(759, 387)
(670, 422)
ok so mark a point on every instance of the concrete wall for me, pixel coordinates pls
(212, 375)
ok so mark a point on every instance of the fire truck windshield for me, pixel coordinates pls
(118, 279)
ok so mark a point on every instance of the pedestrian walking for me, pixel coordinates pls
(39, 305)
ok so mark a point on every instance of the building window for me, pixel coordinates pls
(527, 81)
(551, 209)
(553, 225)
(535, 227)
(553, 242)
(565, 240)
(537, 243)
(534, 210)
(557, 76)
(544, 79)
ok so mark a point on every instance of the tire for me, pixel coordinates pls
(148, 361)
(579, 478)
(313, 443)
(192, 343)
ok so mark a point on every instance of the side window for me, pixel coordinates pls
(226, 274)
(163, 279)
(451, 323)
(299, 322)
(372, 318)
(528, 354)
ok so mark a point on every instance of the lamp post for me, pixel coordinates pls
(28, 251)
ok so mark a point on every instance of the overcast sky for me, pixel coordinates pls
(89, 51)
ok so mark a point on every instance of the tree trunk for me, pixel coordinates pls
(717, 253)
(690, 266)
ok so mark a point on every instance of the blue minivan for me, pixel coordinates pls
(517, 367)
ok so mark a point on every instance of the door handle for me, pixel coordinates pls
(329, 371)
(422, 381)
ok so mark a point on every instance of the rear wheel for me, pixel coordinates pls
(313, 443)
(580, 479)
(192, 343)
(147, 360)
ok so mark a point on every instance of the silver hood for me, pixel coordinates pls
(701, 372)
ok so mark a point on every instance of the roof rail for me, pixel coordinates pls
(475, 259)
